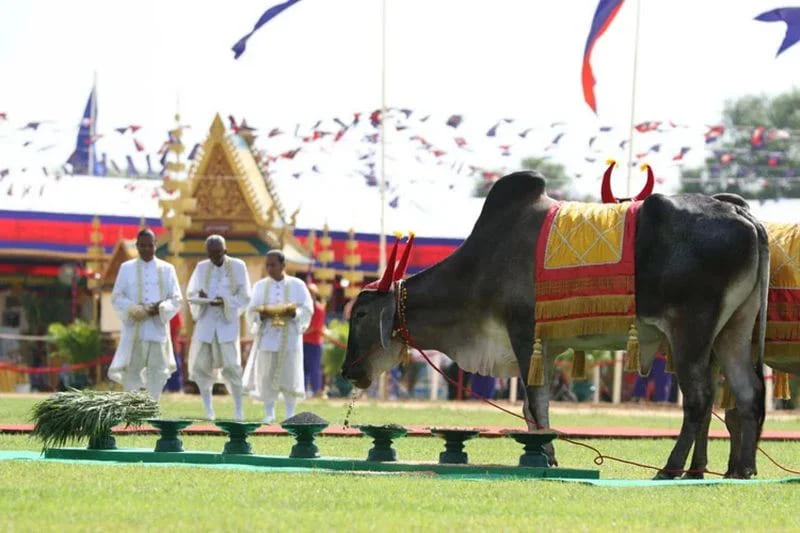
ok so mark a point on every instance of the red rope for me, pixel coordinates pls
(599, 458)
(768, 456)
(54, 369)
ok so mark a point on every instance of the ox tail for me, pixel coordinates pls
(763, 278)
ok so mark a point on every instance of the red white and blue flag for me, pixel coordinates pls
(603, 16)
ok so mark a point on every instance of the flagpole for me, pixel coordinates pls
(382, 235)
(92, 130)
(633, 99)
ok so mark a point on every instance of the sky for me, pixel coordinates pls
(322, 59)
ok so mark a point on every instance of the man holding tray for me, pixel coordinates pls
(279, 312)
(218, 293)
(146, 296)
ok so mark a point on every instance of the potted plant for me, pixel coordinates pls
(76, 343)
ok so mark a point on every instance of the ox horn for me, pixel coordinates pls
(401, 267)
(605, 191)
(387, 279)
(648, 187)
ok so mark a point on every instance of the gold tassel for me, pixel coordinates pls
(780, 386)
(536, 369)
(579, 365)
(585, 305)
(601, 325)
(727, 401)
(632, 360)
(405, 356)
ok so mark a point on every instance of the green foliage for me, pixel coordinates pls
(333, 355)
(554, 173)
(78, 342)
(73, 415)
(45, 306)
(757, 172)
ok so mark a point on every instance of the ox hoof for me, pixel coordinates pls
(693, 475)
(745, 473)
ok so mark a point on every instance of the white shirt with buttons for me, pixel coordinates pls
(219, 320)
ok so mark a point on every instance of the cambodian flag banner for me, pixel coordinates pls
(603, 16)
(268, 15)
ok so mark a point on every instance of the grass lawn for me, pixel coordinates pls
(16, 409)
(48, 496)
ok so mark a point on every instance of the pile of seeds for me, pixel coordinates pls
(304, 418)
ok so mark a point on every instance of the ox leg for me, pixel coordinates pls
(537, 399)
(733, 344)
(734, 426)
(536, 409)
(692, 358)
(700, 452)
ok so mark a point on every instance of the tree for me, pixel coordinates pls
(555, 174)
(758, 155)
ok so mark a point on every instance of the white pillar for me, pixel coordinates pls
(512, 389)
(769, 384)
(617, 391)
(436, 360)
(382, 388)
(596, 383)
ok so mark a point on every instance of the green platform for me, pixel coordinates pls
(324, 463)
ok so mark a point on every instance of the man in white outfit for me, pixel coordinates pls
(146, 296)
(218, 293)
(280, 311)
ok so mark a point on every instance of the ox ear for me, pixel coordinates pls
(385, 323)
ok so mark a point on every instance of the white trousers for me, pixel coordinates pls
(212, 357)
(148, 368)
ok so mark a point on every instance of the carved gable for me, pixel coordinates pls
(218, 193)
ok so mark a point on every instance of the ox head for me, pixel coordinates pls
(609, 198)
(371, 346)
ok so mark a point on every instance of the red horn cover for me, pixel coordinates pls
(385, 283)
(605, 191)
(401, 267)
(648, 187)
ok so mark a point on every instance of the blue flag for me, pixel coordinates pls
(131, 170)
(84, 143)
(789, 15)
(268, 15)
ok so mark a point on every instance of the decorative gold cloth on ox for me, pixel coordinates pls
(585, 270)
(783, 308)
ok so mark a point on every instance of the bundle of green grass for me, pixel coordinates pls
(74, 415)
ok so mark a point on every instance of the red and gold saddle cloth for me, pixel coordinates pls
(585, 270)
(783, 308)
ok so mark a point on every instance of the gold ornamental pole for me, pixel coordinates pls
(325, 274)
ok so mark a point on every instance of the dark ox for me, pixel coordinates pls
(733, 420)
(701, 279)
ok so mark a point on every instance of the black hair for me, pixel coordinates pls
(144, 232)
(277, 253)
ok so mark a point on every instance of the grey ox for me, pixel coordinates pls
(702, 268)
